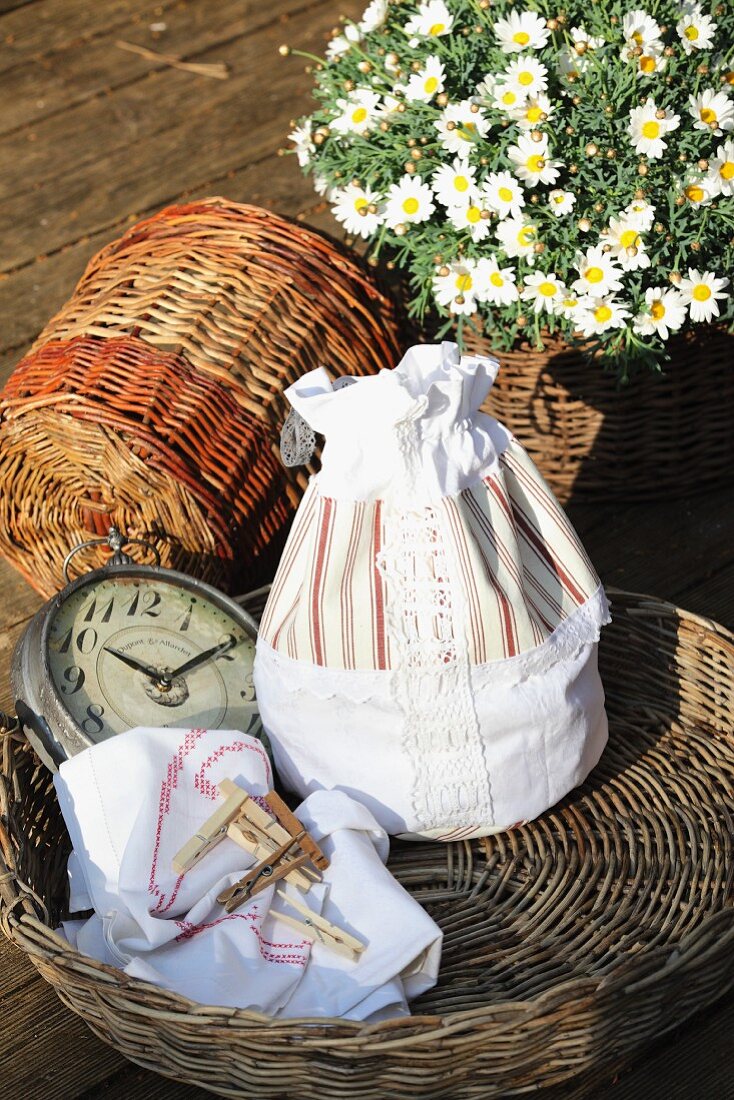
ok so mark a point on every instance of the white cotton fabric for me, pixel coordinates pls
(131, 802)
(430, 641)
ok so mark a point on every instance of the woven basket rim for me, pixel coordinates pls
(32, 935)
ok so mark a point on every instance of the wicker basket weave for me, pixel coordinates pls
(657, 436)
(568, 941)
(154, 399)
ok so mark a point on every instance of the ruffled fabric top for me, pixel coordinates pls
(416, 428)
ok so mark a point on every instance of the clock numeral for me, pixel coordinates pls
(93, 722)
(66, 642)
(86, 640)
(132, 609)
(74, 677)
(153, 599)
(92, 611)
(186, 618)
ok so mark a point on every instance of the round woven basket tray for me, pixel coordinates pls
(659, 435)
(154, 399)
(568, 942)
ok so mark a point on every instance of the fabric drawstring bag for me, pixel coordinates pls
(429, 645)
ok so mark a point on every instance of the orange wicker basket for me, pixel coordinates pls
(154, 399)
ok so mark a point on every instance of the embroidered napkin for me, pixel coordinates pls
(132, 801)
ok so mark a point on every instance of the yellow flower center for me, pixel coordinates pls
(360, 203)
(508, 98)
(701, 292)
(521, 37)
(410, 206)
(547, 289)
(505, 194)
(430, 85)
(708, 115)
(651, 129)
(694, 193)
(657, 309)
(535, 163)
(647, 64)
(464, 282)
(727, 170)
(466, 129)
(637, 37)
(570, 303)
(533, 113)
(496, 279)
(525, 78)
(691, 33)
(437, 28)
(461, 183)
(602, 314)
(629, 239)
(473, 215)
(558, 199)
(526, 235)
(359, 115)
(594, 275)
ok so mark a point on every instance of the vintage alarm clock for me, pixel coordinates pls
(132, 645)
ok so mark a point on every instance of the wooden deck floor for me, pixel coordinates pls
(92, 138)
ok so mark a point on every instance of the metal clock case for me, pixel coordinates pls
(129, 645)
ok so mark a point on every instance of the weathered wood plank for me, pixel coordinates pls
(55, 84)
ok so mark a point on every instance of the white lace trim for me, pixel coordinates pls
(582, 627)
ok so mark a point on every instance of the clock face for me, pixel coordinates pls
(129, 651)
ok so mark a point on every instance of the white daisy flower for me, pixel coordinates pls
(358, 112)
(456, 291)
(432, 20)
(570, 65)
(356, 208)
(663, 312)
(712, 111)
(696, 30)
(408, 201)
(455, 184)
(495, 284)
(625, 244)
(517, 238)
(652, 59)
(504, 194)
(533, 112)
(471, 217)
(521, 31)
(568, 305)
(531, 161)
(544, 291)
(647, 127)
(597, 315)
(561, 202)
(639, 30)
(507, 98)
(373, 16)
(427, 83)
(526, 75)
(303, 141)
(639, 214)
(580, 36)
(699, 190)
(721, 170)
(701, 292)
(598, 273)
(459, 126)
(340, 43)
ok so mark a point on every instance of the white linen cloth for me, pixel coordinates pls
(429, 645)
(131, 802)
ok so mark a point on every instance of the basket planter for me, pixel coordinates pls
(568, 942)
(154, 399)
(657, 436)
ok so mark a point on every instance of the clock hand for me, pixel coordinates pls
(139, 666)
(200, 658)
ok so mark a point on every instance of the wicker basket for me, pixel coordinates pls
(657, 436)
(568, 942)
(154, 399)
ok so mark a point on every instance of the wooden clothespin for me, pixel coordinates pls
(212, 831)
(290, 822)
(317, 928)
(258, 878)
